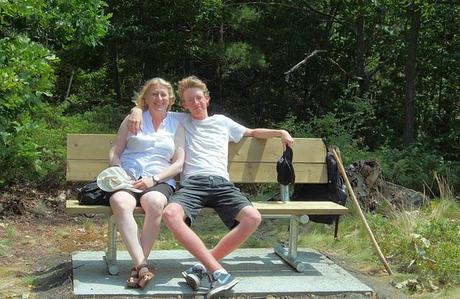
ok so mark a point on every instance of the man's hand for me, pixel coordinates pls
(135, 120)
(143, 183)
(286, 139)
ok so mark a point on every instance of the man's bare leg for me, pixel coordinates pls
(173, 217)
(249, 219)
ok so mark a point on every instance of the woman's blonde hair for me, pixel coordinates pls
(191, 82)
(140, 101)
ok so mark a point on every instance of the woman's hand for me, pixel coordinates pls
(143, 183)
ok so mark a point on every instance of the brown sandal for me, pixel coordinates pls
(133, 279)
(146, 273)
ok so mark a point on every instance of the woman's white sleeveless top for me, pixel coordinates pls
(150, 151)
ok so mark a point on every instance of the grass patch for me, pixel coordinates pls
(88, 224)
(424, 244)
(7, 240)
(5, 247)
(10, 232)
(40, 209)
(29, 280)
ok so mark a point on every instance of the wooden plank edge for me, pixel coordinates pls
(271, 208)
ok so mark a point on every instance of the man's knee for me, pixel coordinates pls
(250, 216)
(172, 214)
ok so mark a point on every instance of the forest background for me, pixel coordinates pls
(385, 83)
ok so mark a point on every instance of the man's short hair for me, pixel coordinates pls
(191, 82)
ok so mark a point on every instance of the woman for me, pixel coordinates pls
(152, 158)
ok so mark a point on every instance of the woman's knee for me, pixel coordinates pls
(122, 202)
(153, 203)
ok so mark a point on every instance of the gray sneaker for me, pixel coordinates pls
(194, 275)
(221, 284)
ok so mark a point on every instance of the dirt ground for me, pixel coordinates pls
(37, 238)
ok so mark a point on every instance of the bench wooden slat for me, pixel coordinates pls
(300, 208)
(96, 147)
(87, 170)
(269, 150)
(265, 208)
(84, 170)
(89, 146)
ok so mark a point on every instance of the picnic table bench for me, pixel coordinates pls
(251, 160)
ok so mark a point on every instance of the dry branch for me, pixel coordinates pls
(302, 62)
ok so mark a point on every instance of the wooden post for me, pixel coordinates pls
(360, 212)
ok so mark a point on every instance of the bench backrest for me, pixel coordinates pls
(251, 160)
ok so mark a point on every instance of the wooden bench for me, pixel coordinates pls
(251, 160)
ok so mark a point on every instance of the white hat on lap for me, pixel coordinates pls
(115, 178)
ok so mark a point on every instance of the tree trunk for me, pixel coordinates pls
(411, 74)
(67, 94)
(220, 66)
(361, 56)
(113, 50)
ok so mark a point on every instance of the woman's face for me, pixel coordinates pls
(157, 98)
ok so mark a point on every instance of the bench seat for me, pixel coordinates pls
(298, 208)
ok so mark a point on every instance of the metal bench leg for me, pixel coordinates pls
(111, 250)
(289, 255)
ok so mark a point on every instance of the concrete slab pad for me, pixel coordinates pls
(260, 271)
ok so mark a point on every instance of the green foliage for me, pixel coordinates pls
(358, 114)
(415, 167)
(31, 136)
(418, 243)
(29, 280)
(6, 240)
(296, 127)
(56, 23)
(33, 150)
(333, 129)
(243, 16)
(241, 56)
(27, 75)
(352, 94)
(90, 89)
(444, 241)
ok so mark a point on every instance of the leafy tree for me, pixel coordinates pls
(32, 32)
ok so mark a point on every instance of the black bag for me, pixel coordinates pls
(334, 191)
(91, 195)
(284, 168)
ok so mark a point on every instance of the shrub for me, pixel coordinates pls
(415, 166)
(439, 258)
(33, 151)
(90, 88)
(329, 127)
(424, 243)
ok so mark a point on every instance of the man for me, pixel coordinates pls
(205, 183)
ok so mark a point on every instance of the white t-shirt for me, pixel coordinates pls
(150, 151)
(206, 150)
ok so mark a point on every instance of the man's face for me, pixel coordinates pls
(194, 100)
